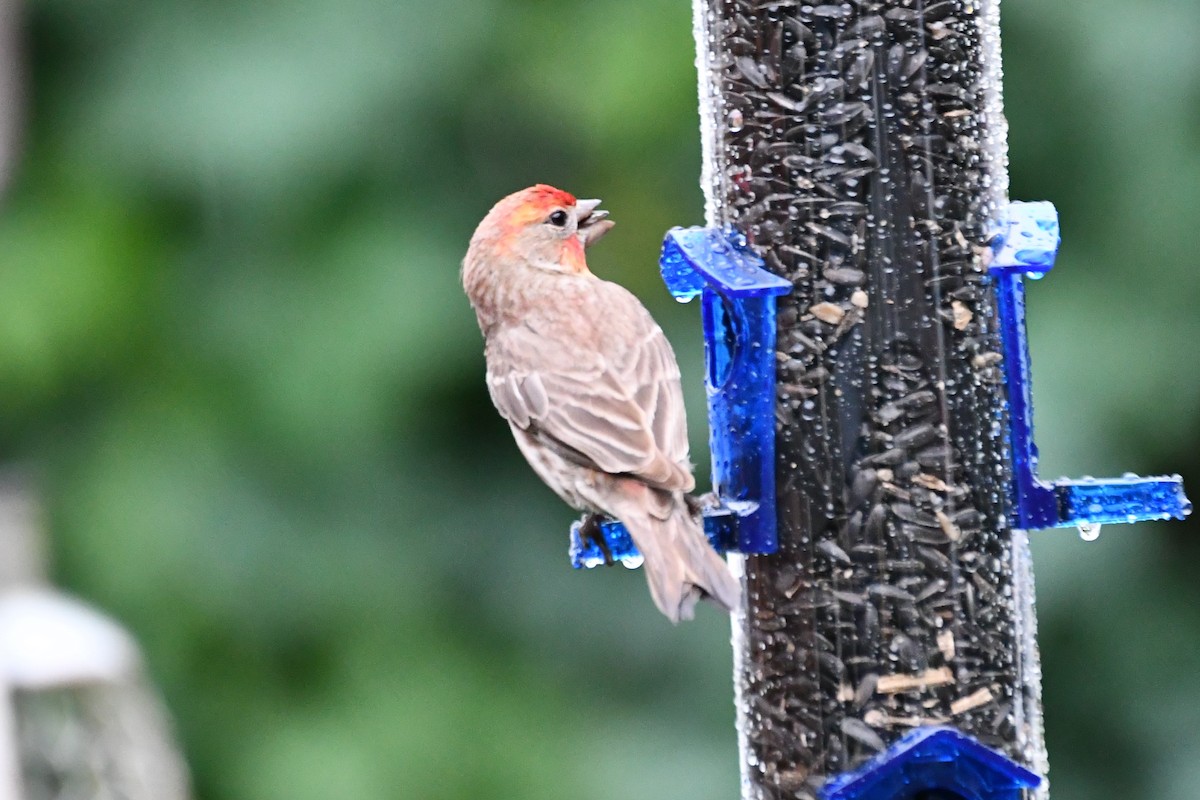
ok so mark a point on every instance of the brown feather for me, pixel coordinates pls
(623, 412)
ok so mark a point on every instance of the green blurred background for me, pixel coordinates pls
(234, 348)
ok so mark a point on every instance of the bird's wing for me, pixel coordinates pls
(613, 403)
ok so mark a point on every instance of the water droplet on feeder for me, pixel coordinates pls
(1089, 531)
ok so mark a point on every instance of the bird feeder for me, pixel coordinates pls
(77, 717)
(874, 453)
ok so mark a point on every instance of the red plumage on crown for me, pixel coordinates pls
(547, 196)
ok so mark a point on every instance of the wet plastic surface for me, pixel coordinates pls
(861, 148)
(720, 526)
(738, 313)
(1027, 245)
(930, 760)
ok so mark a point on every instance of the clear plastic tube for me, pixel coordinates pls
(861, 148)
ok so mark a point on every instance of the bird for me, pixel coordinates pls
(590, 387)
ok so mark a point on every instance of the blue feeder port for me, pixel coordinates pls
(1027, 245)
(720, 526)
(738, 312)
(934, 762)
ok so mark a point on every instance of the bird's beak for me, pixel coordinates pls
(592, 221)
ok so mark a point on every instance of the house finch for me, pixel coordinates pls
(590, 386)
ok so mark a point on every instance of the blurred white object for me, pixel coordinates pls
(77, 718)
(48, 640)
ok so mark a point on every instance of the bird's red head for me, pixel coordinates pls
(544, 226)
(531, 207)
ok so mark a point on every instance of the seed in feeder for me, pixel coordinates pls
(852, 318)
(973, 700)
(860, 69)
(936, 561)
(876, 521)
(833, 235)
(962, 315)
(945, 643)
(898, 684)
(916, 436)
(931, 482)
(892, 456)
(986, 360)
(859, 298)
(751, 71)
(860, 731)
(936, 587)
(786, 102)
(881, 720)
(934, 456)
(868, 26)
(947, 525)
(902, 15)
(889, 591)
(809, 600)
(867, 624)
(986, 590)
(914, 515)
(831, 313)
(864, 484)
(889, 413)
(834, 552)
(844, 275)
(791, 780)
(814, 375)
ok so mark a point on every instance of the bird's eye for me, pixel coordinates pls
(558, 218)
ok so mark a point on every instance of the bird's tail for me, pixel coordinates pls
(681, 567)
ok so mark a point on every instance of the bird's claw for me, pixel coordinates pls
(697, 504)
(590, 532)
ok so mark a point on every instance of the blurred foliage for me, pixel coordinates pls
(233, 344)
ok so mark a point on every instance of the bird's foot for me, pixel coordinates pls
(589, 531)
(698, 503)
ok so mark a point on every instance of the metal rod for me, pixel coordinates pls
(861, 148)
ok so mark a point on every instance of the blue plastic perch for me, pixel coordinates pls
(738, 312)
(1027, 246)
